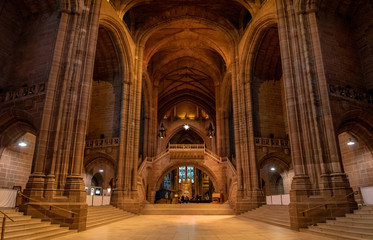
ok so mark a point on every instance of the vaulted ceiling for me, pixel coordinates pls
(187, 45)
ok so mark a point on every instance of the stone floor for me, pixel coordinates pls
(188, 227)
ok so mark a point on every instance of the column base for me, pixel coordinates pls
(69, 210)
(309, 206)
(127, 201)
(254, 199)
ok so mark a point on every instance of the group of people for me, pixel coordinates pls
(185, 199)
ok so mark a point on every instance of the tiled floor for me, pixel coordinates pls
(188, 227)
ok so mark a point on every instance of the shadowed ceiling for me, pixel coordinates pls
(188, 45)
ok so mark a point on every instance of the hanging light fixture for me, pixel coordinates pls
(350, 142)
(162, 132)
(273, 169)
(186, 127)
(211, 131)
(22, 143)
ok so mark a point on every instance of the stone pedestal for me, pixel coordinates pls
(123, 200)
(255, 200)
(69, 210)
(309, 206)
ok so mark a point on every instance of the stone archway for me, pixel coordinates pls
(161, 167)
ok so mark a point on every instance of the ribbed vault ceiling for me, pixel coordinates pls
(188, 45)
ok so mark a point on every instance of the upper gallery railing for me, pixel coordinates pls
(102, 142)
(272, 142)
(186, 146)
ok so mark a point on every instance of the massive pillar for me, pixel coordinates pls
(125, 195)
(249, 194)
(320, 189)
(55, 189)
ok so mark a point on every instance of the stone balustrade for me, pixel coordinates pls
(272, 142)
(186, 146)
(103, 142)
(22, 93)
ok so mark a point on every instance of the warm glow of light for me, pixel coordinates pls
(22, 144)
(101, 170)
(273, 169)
(186, 127)
(350, 142)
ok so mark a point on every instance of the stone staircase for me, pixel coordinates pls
(101, 215)
(357, 225)
(272, 214)
(187, 209)
(25, 227)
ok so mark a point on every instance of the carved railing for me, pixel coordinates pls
(103, 142)
(350, 93)
(272, 142)
(186, 147)
(22, 93)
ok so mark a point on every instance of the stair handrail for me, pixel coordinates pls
(213, 155)
(50, 206)
(5, 216)
(326, 204)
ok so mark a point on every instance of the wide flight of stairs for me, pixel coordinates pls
(357, 225)
(25, 227)
(101, 215)
(187, 209)
(272, 214)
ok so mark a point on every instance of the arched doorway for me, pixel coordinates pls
(185, 184)
(16, 162)
(357, 159)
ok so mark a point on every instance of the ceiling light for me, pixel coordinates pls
(273, 169)
(350, 142)
(101, 170)
(22, 143)
(186, 126)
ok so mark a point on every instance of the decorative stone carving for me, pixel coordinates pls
(22, 93)
(349, 93)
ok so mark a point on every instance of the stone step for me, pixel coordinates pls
(99, 218)
(54, 235)
(328, 234)
(93, 224)
(278, 214)
(353, 226)
(272, 221)
(173, 211)
(347, 233)
(351, 222)
(101, 215)
(16, 217)
(187, 209)
(189, 205)
(25, 226)
(360, 216)
(270, 218)
(364, 211)
(36, 232)
(100, 208)
(343, 227)
(274, 215)
(29, 228)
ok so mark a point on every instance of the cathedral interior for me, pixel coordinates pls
(233, 104)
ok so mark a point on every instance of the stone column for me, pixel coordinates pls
(56, 178)
(249, 195)
(125, 196)
(320, 189)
